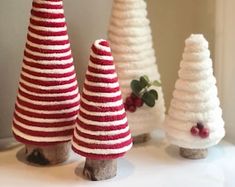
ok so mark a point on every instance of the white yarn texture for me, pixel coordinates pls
(131, 43)
(195, 98)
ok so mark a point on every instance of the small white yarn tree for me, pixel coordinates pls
(195, 119)
(132, 48)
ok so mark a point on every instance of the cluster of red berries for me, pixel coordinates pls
(200, 130)
(133, 102)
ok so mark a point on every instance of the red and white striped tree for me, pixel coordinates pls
(102, 133)
(48, 100)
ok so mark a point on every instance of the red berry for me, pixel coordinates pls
(129, 101)
(204, 133)
(200, 126)
(125, 106)
(138, 102)
(134, 96)
(194, 131)
(132, 108)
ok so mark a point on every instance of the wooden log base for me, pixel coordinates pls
(193, 153)
(47, 155)
(142, 138)
(97, 170)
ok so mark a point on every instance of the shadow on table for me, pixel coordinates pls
(214, 153)
(159, 151)
(20, 155)
(124, 170)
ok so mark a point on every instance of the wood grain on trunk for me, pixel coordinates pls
(193, 153)
(142, 138)
(97, 170)
(47, 155)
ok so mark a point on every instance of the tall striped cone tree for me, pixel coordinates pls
(48, 99)
(131, 43)
(102, 133)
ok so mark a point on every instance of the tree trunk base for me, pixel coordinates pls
(193, 153)
(142, 138)
(97, 170)
(47, 155)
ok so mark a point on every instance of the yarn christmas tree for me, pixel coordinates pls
(131, 43)
(195, 117)
(48, 100)
(102, 133)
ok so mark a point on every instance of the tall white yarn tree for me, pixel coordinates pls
(195, 119)
(132, 48)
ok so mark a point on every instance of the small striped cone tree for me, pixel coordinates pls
(132, 48)
(102, 133)
(48, 100)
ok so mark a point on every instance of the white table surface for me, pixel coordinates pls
(154, 164)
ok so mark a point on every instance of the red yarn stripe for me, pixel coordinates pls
(47, 66)
(100, 52)
(47, 24)
(28, 142)
(47, 51)
(97, 156)
(104, 43)
(100, 71)
(44, 134)
(44, 125)
(45, 116)
(38, 58)
(101, 99)
(102, 118)
(47, 6)
(101, 89)
(100, 62)
(47, 107)
(47, 42)
(103, 146)
(36, 90)
(49, 99)
(47, 83)
(47, 33)
(46, 15)
(101, 128)
(103, 138)
(92, 78)
(51, 75)
(100, 109)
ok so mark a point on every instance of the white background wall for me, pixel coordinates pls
(87, 20)
(171, 21)
(225, 61)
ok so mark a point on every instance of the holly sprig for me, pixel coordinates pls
(143, 88)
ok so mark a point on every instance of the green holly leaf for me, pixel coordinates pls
(146, 78)
(148, 99)
(156, 83)
(136, 87)
(154, 93)
(144, 81)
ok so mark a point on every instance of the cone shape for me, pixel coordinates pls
(48, 100)
(195, 99)
(102, 131)
(131, 44)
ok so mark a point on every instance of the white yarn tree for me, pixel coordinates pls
(195, 117)
(131, 43)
